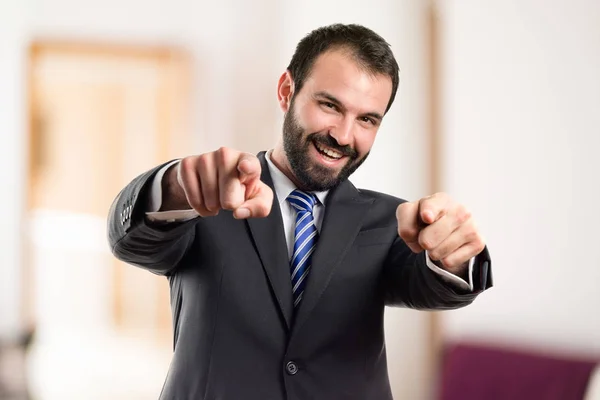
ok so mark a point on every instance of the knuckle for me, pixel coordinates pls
(436, 201)
(228, 204)
(425, 201)
(426, 242)
(448, 262)
(222, 151)
(195, 203)
(224, 154)
(407, 233)
(434, 254)
(232, 199)
(203, 161)
(438, 196)
(249, 156)
(401, 209)
(211, 203)
(473, 236)
(462, 214)
(187, 164)
(415, 248)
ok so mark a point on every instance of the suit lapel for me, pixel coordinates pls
(344, 213)
(269, 239)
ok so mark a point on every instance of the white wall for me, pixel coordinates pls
(13, 17)
(522, 127)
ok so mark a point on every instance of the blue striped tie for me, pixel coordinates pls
(305, 240)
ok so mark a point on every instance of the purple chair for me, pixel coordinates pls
(474, 372)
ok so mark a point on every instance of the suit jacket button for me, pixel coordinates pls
(291, 368)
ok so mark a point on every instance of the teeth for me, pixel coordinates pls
(330, 153)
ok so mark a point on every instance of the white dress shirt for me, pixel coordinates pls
(283, 187)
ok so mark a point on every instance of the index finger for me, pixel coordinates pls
(433, 207)
(249, 168)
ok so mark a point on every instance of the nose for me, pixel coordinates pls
(343, 132)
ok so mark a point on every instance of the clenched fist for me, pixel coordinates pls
(225, 179)
(442, 227)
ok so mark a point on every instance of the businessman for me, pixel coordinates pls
(279, 268)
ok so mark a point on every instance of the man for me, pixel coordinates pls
(279, 267)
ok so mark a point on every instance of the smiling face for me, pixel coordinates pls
(331, 123)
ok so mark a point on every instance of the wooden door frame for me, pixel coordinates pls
(174, 115)
(434, 108)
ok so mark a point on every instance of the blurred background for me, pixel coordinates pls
(498, 105)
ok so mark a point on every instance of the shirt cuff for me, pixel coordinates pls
(451, 278)
(155, 201)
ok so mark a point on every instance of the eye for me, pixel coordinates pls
(368, 120)
(328, 105)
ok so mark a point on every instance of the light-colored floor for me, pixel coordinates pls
(77, 352)
(95, 366)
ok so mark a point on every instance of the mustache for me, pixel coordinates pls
(328, 141)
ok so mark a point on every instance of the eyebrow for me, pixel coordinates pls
(338, 103)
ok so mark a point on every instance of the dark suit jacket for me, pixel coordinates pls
(235, 333)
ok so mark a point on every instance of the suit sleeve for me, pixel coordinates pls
(159, 248)
(408, 282)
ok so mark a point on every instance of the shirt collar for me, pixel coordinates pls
(284, 186)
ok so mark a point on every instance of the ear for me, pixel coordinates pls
(285, 91)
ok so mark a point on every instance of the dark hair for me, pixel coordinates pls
(369, 49)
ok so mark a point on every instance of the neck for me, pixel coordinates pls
(281, 162)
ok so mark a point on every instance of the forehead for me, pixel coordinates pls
(337, 73)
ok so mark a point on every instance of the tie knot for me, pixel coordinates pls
(302, 201)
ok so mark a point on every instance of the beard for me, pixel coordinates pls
(311, 175)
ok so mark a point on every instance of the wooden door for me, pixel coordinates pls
(100, 115)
